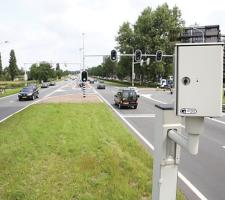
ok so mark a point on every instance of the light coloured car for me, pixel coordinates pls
(135, 89)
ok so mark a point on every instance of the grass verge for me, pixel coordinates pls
(10, 92)
(72, 152)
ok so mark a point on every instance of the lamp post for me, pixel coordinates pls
(132, 67)
(83, 51)
(203, 37)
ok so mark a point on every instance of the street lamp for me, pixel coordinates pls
(83, 49)
(132, 68)
(4, 42)
(203, 36)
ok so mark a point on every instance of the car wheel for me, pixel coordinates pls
(135, 107)
(33, 97)
(19, 99)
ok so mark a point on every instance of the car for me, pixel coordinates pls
(91, 81)
(52, 83)
(126, 98)
(135, 89)
(44, 85)
(28, 93)
(101, 86)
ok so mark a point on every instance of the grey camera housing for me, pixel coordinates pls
(199, 79)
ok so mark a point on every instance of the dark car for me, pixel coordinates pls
(52, 83)
(44, 85)
(126, 98)
(101, 85)
(28, 93)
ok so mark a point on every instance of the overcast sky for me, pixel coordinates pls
(51, 30)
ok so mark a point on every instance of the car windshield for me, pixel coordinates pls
(26, 90)
(129, 94)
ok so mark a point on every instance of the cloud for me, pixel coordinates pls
(52, 30)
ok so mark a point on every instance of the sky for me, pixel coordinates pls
(52, 30)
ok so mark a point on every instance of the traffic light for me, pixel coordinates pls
(138, 55)
(84, 76)
(113, 55)
(158, 56)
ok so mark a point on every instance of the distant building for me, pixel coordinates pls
(195, 34)
(210, 33)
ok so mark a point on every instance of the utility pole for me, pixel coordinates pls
(132, 82)
(83, 52)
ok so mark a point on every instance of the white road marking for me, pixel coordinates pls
(181, 176)
(149, 96)
(60, 90)
(191, 186)
(34, 102)
(139, 115)
(223, 147)
(216, 120)
(8, 96)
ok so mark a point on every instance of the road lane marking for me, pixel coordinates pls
(149, 96)
(138, 115)
(8, 96)
(191, 186)
(180, 175)
(34, 102)
(216, 120)
(223, 147)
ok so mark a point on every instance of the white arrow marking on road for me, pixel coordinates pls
(149, 96)
(138, 115)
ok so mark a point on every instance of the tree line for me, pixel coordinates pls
(43, 71)
(154, 30)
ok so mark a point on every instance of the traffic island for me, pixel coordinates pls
(72, 98)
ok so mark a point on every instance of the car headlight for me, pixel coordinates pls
(19, 94)
(29, 94)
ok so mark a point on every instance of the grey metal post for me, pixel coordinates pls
(83, 52)
(132, 78)
(166, 154)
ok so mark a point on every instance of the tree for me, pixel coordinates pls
(34, 72)
(1, 65)
(45, 71)
(153, 30)
(13, 69)
(59, 72)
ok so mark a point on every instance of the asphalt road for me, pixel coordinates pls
(10, 104)
(206, 171)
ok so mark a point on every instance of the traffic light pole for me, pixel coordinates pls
(132, 78)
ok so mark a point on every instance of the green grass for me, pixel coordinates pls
(223, 99)
(10, 92)
(72, 152)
